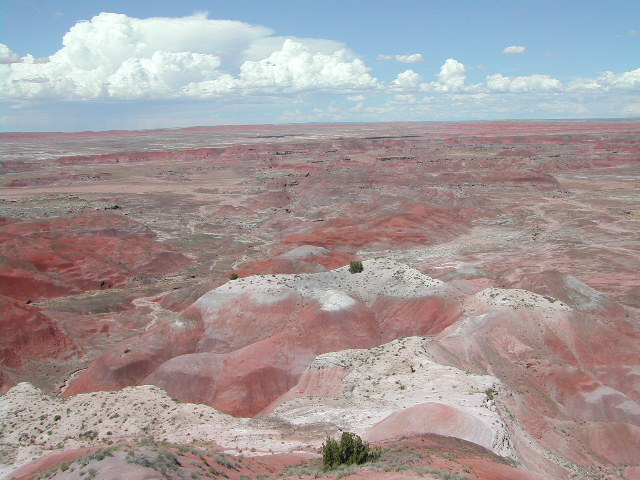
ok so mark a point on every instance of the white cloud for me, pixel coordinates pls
(609, 81)
(452, 76)
(624, 81)
(7, 56)
(265, 46)
(451, 79)
(109, 39)
(119, 57)
(407, 80)
(528, 84)
(413, 58)
(356, 98)
(295, 68)
(519, 49)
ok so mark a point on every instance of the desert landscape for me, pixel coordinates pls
(179, 303)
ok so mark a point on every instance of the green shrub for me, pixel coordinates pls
(233, 276)
(490, 393)
(356, 267)
(351, 450)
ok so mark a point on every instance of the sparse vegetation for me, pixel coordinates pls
(163, 462)
(490, 393)
(387, 460)
(448, 475)
(356, 267)
(233, 276)
(225, 462)
(351, 450)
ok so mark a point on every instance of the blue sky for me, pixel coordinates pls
(288, 61)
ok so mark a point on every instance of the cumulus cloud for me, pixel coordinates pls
(114, 56)
(451, 77)
(120, 57)
(7, 56)
(623, 81)
(527, 84)
(407, 80)
(295, 68)
(518, 49)
(609, 81)
(413, 58)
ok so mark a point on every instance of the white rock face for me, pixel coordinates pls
(380, 277)
(33, 424)
(378, 382)
(306, 251)
(392, 377)
(517, 298)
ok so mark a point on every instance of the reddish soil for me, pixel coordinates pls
(408, 458)
(108, 238)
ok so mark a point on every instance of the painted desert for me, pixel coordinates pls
(188, 303)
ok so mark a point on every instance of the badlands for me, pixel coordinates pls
(494, 332)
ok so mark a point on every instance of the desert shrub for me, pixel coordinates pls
(448, 475)
(351, 450)
(91, 474)
(89, 435)
(224, 461)
(233, 276)
(303, 470)
(356, 267)
(163, 462)
(490, 393)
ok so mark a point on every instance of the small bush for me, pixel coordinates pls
(490, 393)
(233, 276)
(351, 450)
(356, 267)
(163, 462)
(224, 461)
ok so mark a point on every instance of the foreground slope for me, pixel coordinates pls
(525, 376)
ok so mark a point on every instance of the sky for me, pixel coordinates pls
(102, 65)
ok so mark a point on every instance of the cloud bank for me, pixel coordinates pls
(114, 56)
(115, 59)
